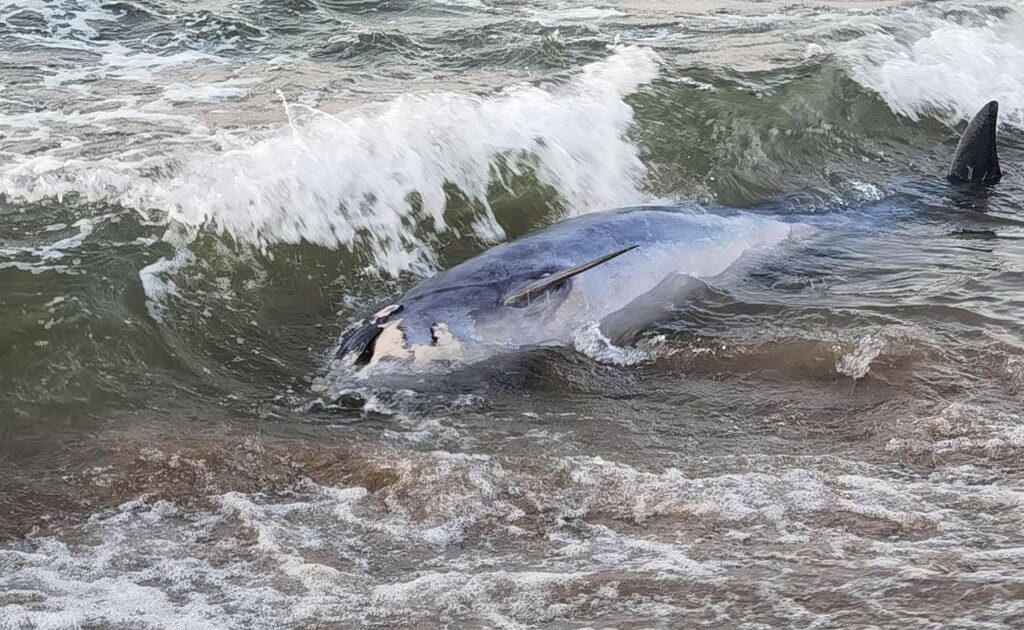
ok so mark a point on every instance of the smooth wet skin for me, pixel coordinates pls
(470, 300)
(976, 160)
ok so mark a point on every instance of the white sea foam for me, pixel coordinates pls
(924, 64)
(337, 180)
(318, 553)
(332, 180)
(65, 22)
(121, 63)
(964, 429)
(857, 363)
(589, 340)
(192, 93)
(157, 283)
(574, 15)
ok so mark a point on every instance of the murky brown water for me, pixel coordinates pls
(833, 440)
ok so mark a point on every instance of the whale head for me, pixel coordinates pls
(472, 311)
(398, 333)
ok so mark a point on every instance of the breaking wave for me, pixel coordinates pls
(937, 66)
(376, 173)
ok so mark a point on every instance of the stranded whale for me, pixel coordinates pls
(617, 268)
(537, 290)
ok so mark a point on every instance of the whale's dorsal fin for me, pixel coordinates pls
(975, 160)
(524, 293)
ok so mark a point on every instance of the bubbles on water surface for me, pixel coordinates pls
(402, 545)
(931, 65)
(857, 363)
(732, 474)
(370, 177)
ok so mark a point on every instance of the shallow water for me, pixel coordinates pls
(197, 198)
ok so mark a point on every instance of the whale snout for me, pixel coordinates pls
(385, 339)
(357, 344)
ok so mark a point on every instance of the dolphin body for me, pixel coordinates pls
(618, 269)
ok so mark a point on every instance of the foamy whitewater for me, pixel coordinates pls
(330, 180)
(929, 66)
(197, 199)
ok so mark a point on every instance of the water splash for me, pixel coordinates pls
(857, 363)
(929, 65)
(589, 340)
(370, 176)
